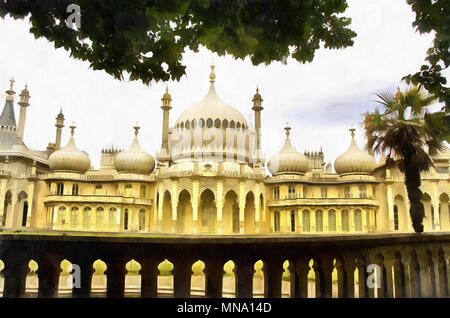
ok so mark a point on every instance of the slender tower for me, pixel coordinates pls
(257, 108)
(24, 103)
(166, 107)
(59, 126)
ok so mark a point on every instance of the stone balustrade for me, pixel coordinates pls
(410, 265)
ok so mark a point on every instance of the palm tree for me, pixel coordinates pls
(407, 130)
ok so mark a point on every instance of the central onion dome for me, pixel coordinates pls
(69, 158)
(210, 130)
(134, 159)
(288, 160)
(211, 111)
(354, 160)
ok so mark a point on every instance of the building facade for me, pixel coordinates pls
(208, 177)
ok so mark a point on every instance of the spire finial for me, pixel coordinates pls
(352, 132)
(287, 128)
(11, 83)
(136, 129)
(72, 129)
(212, 75)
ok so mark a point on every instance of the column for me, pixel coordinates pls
(302, 270)
(149, 277)
(86, 271)
(214, 278)
(115, 278)
(435, 202)
(174, 203)
(390, 206)
(30, 199)
(300, 221)
(399, 283)
(365, 227)
(312, 220)
(325, 270)
(219, 206)
(349, 268)
(195, 196)
(244, 271)
(351, 220)
(325, 220)
(15, 275)
(338, 220)
(273, 271)
(257, 213)
(182, 273)
(241, 208)
(2, 198)
(159, 222)
(48, 273)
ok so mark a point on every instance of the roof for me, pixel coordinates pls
(7, 117)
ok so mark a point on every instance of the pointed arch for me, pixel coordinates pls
(198, 279)
(231, 212)
(65, 282)
(258, 279)
(444, 211)
(208, 211)
(167, 211)
(98, 283)
(229, 280)
(165, 278)
(184, 212)
(133, 279)
(6, 207)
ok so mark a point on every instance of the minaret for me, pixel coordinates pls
(166, 107)
(257, 108)
(24, 103)
(8, 120)
(59, 126)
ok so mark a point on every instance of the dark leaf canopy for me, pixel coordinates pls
(146, 38)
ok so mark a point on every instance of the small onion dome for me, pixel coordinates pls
(288, 160)
(354, 160)
(134, 159)
(69, 158)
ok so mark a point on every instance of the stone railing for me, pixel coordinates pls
(409, 265)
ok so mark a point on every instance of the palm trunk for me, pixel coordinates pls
(416, 208)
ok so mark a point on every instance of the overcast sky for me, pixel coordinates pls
(320, 100)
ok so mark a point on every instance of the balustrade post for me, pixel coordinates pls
(326, 281)
(243, 273)
(341, 279)
(149, 277)
(86, 271)
(363, 290)
(302, 269)
(414, 276)
(382, 280)
(115, 278)
(273, 272)
(214, 278)
(48, 274)
(294, 280)
(427, 282)
(182, 273)
(15, 275)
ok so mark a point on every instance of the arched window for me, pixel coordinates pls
(141, 219)
(238, 125)
(332, 221)
(347, 192)
(209, 123)
(276, 193)
(75, 189)
(7, 202)
(188, 124)
(125, 220)
(60, 188)
(323, 192)
(358, 221)
(112, 219)
(87, 218)
(99, 219)
(74, 217)
(61, 217)
(292, 221)
(362, 192)
(142, 192)
(217, 123)
(395, 218)
(319, 221)
(201, 123)
(182, 125)
(291, 191)
(225, 123)
(345, 221)
(232, 125)
(276, 221)
(194, 123)
(305, 221)
(25, 214)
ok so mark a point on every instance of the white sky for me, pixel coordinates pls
(320, 100)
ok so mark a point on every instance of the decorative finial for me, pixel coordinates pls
(352, 131)
(287, 128)
(72, 129)
(212, 75)
(136, 129)
(11, 83)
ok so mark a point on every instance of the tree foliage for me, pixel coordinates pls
(146, 38)
(434, 16)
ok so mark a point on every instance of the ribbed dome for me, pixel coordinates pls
(69, 158)
(134, 159)
(354, 160)
(288, 160)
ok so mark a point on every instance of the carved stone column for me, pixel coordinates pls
(115, 278)
(302, 269)
(214, 278)
(149, 277)
(48, 273)
(273, 272)
(86, 271)
(15, 275)
(182, 273)
(243, 272)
